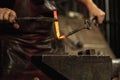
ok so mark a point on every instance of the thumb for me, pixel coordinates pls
(16, 25)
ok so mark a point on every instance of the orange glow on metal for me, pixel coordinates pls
(55, 14)
(56, 23)
(57, 29)
(62, 37)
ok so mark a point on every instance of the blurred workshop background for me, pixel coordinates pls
(110, 26)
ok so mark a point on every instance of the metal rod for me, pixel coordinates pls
(74, 31)
(38, 19)
(50, 19)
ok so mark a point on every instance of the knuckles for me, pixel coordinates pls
(6, 14)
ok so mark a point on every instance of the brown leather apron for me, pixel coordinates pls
(17, 46)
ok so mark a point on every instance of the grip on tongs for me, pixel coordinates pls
(89, 23)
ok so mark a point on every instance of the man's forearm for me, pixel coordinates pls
(86, 2)
(93, 9)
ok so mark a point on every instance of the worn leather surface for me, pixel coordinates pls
(17, 46)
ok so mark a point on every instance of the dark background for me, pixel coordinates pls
(113, 30)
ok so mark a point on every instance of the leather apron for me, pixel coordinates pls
(32, 38)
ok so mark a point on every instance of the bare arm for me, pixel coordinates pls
(93, 9)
